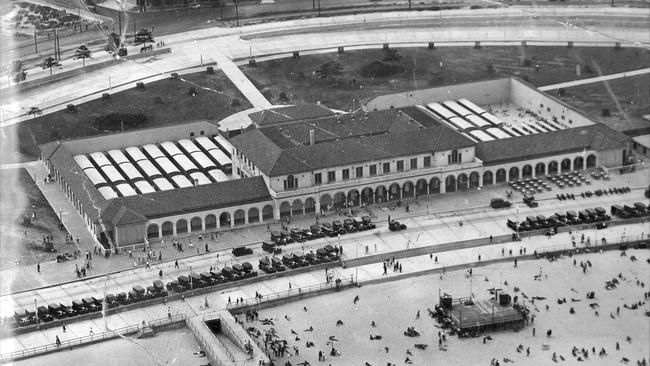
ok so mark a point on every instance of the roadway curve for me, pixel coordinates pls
(542, 25)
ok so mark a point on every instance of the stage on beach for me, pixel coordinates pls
(484, 313)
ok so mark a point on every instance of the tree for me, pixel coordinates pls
(34, 111)
(17, 71)
(114, 42)
(392, 56)
(49, 63)
(329, 69)
(83, 53)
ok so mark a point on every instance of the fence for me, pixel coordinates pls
(290, 293)
(91, 338)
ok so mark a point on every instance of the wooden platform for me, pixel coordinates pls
(484, 313)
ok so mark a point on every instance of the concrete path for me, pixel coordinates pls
(597, 79)
(240, 80)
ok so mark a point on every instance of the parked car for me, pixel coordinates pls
(337, 226)
(316, 231)
(530, 201)
(271, 247)
(349, 226)
(44, 314)
(241, 251)
(277, 264)
(296, 235)
(499, 203)
(367, 223)
(266, 266)
(394, 225)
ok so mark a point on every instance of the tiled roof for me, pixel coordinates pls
(341, 126)
(187, 200)
(593, 137)
(127, 216)
(362, 149)
(292, 113)
(258, 148)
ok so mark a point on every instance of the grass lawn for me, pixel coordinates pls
(628, 100)
(176, 106)
(424, 68)
(22, 242)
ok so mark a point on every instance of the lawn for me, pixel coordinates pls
(627, 100)
(294, 81)
(22, 242)
(174, 106)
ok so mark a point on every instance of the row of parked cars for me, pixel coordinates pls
(638, 209)
(211, 278)
(90, 304)
(274, 264)
(586, 216)
(320, 230)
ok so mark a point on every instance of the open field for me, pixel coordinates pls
(424, 68)
(19, 242)
(393, 307)
(174, 106)
(628, 100)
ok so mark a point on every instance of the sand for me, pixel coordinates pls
(393, 306)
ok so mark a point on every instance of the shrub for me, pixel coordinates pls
(561, 92)
(490, 69)
(527, 62)
(158, 100)
(106, 96)
(605, 112)
(174, 75)
(119, 121)
(140, 85)
(210, 70)
(71, 108)
(235, 102)
(380, 69)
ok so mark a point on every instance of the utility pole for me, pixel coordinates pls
(55, 53)
(134, 30)
(119, 23)
(58, 45)
(237, 12)
(318, 7)
(35, 42)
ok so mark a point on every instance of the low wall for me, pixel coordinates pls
(208, 340)
(237, 335)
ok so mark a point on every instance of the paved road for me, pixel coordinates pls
(190, 47)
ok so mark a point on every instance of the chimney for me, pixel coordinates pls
(312, 138)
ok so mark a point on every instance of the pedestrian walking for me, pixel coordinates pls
(38, 267)
(176, 264)
(58, 341)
